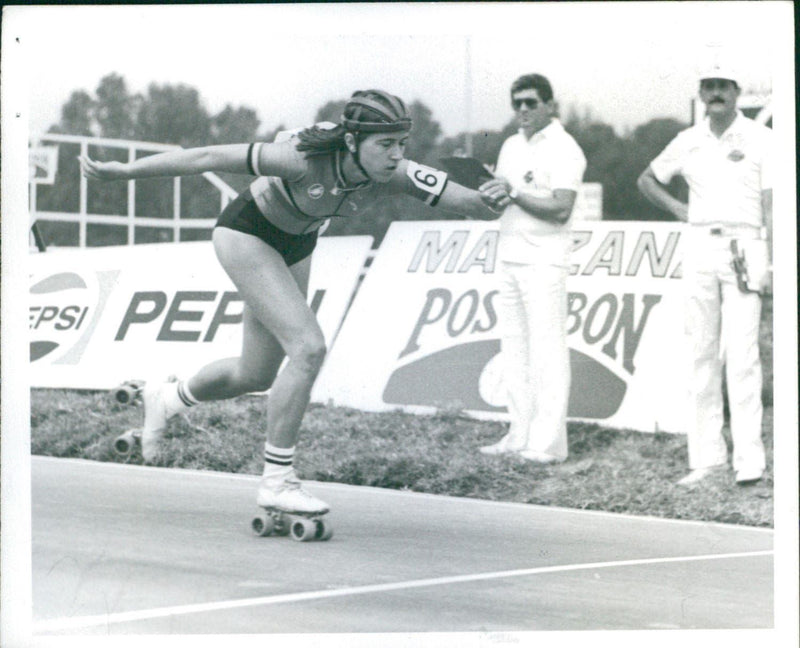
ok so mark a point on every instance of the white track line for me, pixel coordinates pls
(71, 623)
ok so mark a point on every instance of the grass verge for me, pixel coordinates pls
(608, 470)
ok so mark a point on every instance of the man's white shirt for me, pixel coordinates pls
(725, 175)
(550, 159)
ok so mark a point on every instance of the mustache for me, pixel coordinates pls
(716, 100)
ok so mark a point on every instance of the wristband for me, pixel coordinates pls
(513, 193)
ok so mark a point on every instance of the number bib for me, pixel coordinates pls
(427, 179)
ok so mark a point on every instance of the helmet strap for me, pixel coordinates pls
(340, 172)
(357, 160)
(355, 154)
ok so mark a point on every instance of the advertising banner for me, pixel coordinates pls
(422, 332)
(100, 316)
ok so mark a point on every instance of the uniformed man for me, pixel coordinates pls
(725, 159)
(538, 175)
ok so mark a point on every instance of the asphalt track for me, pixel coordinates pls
(123, 550)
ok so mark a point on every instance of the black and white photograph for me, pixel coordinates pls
(399, 324)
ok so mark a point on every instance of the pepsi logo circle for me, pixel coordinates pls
(61, 307)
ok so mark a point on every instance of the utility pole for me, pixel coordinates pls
(468, 95)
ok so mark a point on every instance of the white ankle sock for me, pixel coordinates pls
(178, 398)
(277, 461)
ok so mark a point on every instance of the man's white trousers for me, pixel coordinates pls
(723, 331)
(533, 331)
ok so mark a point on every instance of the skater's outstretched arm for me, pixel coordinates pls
(434, 187)
(273, 159)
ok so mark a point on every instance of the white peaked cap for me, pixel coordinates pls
(719, 70)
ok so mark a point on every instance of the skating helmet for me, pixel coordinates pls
(375, 111)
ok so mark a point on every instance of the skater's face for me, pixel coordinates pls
(380, 153)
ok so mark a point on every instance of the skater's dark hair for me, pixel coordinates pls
(366, 112)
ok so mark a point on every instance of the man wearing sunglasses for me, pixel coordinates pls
(725, 160)
(538, 174)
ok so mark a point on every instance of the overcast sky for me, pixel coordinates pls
(625, 62)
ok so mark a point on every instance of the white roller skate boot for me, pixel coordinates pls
(156, 415)
(284, 492)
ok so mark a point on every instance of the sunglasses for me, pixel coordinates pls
(530, 104)
(716, 84)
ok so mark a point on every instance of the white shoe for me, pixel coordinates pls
(287, 494)
(745, 477)
(155, 419)
(698, 474)
(494, 449)
(539, 457)
(503, 446)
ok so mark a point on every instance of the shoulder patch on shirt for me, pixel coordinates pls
(426, 178)
(316, 191)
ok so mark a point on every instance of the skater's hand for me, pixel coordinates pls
(103, 170)
(494, 193)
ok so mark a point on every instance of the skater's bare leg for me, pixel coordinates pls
(253, 371)
(277, 321)
(275, 295)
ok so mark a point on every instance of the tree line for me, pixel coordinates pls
(176, 114)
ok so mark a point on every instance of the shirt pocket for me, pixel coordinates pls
(742, 168)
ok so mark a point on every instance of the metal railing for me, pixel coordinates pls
(83, 218)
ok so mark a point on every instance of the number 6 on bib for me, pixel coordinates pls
(427, 179)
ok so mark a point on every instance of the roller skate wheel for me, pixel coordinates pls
(127, 392)
(324, 530)
(124, 443)
(303, 530)
(262, 524)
